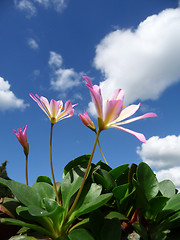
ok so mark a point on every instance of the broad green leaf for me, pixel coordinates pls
(105, 179)
(92, 201)
(25, 194)
(54, 209)
(173, 221)
(104, 166)
(147, 180)
(111, 230)
(44, 179)
(120, 191)
(116, 172)
(117, 215)
(23, 213)
(96, 221)
(156, 205)
(71, 183)
(35, 227)
(167, 188)
(77, 161)
(44, 190)
(173, 203)
(80, 233)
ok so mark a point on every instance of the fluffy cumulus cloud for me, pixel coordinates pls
(32, 43)
(143, 61)
(8, 100)
(163, 155)
(62, 78)
(30, 6)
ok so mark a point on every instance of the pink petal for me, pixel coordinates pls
(87, 121)
(46, 105)
(117, 95)
(54, 108)
(39, 104)
(88, 81)
(97, 99)
(147, 115)
(112, 111)
(139, 136)
(127, 112)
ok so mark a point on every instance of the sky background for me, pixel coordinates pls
(46, 46)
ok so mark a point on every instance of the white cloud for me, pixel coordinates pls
(163, 155)
(8, 100)
(144, 61)
(55, 60)
(32, 43)
(30, 6)
(62, 78)
(26, 6)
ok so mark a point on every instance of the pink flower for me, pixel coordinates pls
(87, 121)
(22, 137)
(54, 109)
(115, 114)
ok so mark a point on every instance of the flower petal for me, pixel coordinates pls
(112, 111)
(86, 120)
(147, 115)
(117, 95)
(95, 92)
(139, 136)
(127, 112)
(54, 108)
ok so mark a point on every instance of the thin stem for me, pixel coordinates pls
(26, 169)
(52, 172)
(85, 175)
(102, 153)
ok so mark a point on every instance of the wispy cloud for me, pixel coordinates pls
(8, 100)
(143, 62)
(163, 155)
(62, 78)
(32, 43)
(26, 6)
(30, 6)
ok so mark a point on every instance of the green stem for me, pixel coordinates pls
(52, 172)
(26, 169)
(102, 153)
(85, 175)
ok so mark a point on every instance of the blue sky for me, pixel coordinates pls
(46, 47)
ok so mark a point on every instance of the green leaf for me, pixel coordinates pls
(117, 215)
(44, 179)
(92, 201)
(167, 188)
(173, 203)
(44, 190)
(104, 166)
(156, 205)
(116, 172)
(120, 191)
(80, 233)
(105, 179)
(71, 183)
(25, 194)
(111, 230)
(147, 180)
(77, 161)
(35, 227)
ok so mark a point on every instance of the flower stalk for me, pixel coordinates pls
(85, 175)
(51, 163)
